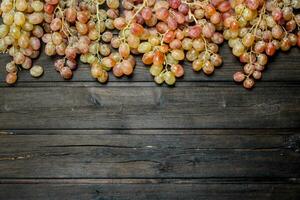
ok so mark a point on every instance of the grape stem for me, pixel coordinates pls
(63, 27)
(263, 11)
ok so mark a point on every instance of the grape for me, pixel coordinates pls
(248, 83)
(155, 70)
(27, 63)
(239, 76)
(11, 67)
(36, 71)
(169, 78)
(66, 73)
(11, 78)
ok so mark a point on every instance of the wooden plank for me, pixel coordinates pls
(283, 67)
(147, 107)
(149, 156)
(150, 189)
(265, 132)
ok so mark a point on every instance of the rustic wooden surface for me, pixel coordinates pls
(205, 138)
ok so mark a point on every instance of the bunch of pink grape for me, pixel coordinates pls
(167, 32)
(80, 28)
(256, 30)
(20, 35)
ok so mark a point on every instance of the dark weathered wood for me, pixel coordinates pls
(161, 156)
(148, 107)
(240, 132)
(284, 67)
(149, 189)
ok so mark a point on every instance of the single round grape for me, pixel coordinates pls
(192, 55)
(127, 67)
(155, 70)
(262, 59)
(35, 18)
(248, 83)
(59, 64)
(19, 58)
(197, 65)
(144, 47)
(124, 50)
(27, 63)
(208, 67)
(159, 79)
(133, 42)
(103, 78)
(50, 49)
(36, 71)
(11, 67)
(96, 71)
(66, 73)
(177, 70)
(178, 54)
(104, 50)
(239, 77)
(117, 70)
(257, 75)
(216, 60)
(169, 78)
(107, 36)
(187, 44)
(11, 78)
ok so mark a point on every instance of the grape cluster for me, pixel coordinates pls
(165, 33)
(20, 34)
(256, 30)
(80, 28)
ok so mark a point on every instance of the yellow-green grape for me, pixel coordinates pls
(242, 22)
(23, 41)
(113, 4)
(170, 59)
(15, 32)
(133, 41)
(4, 29)
(155, 70)
(144, 47)
(248, 40)
(28, 26)
(178, 54)
(94, 48)
(21, 5)
(239, 9)
(8, 40)
(8, 18)
(19, 18)
(6, 6)
(36, 18)
(249, 14)
(154, 40)
(238, 50)
(37, 6)
(3, 46)
(36, 71)
(169, 78)
(159, 79)
(83, 58)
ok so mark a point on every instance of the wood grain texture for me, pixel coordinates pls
(130, 139)
(150, 189)
(283, 67)
(140, 156)
(143, 107)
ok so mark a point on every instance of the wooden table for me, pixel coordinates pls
(206, 138)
